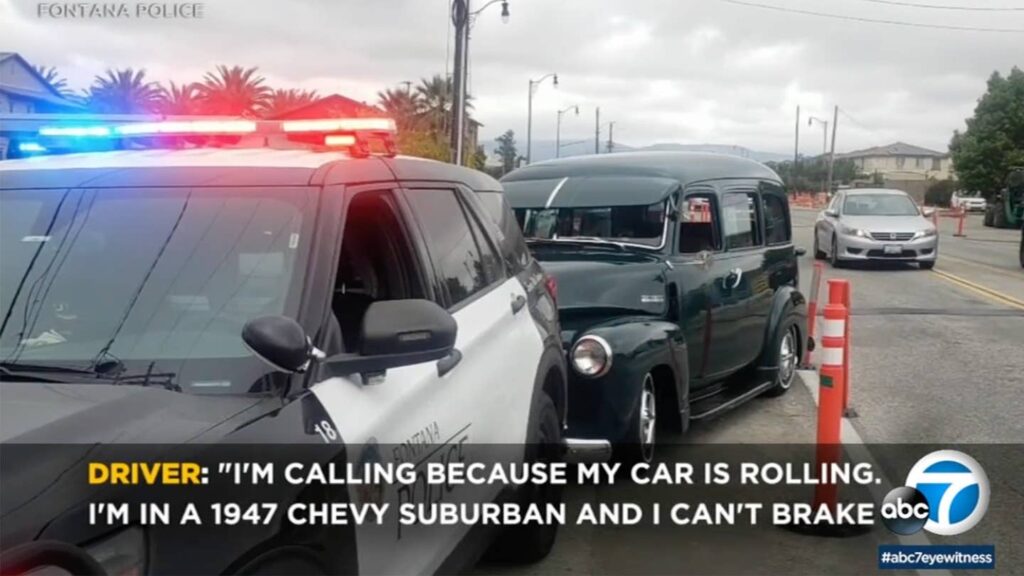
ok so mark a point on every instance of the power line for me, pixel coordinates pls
(875, 20)
(947, 7)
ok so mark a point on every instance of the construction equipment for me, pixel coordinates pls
(1006, 210)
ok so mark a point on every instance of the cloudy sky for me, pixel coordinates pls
(686, 71)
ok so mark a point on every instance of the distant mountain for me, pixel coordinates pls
(545, 150)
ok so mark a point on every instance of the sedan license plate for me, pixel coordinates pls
(893, 249)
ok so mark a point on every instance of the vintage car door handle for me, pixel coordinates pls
(733, 279)
(518, 302)
(449, 362)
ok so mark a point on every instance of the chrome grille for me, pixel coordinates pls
(892, 236)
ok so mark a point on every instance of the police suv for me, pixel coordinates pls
(263, 282)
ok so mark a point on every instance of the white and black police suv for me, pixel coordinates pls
(264, 283)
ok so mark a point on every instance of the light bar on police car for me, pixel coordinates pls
(187, 127)
(340, 125)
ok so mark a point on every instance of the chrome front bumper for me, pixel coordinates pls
(857, 248)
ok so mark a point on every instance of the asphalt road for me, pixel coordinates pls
(937, 356)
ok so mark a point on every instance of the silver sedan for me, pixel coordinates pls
(875, 224)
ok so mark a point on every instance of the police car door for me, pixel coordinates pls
(408, 414)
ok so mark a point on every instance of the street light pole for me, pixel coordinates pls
(529, 110)
(462, 19)
(558, 128)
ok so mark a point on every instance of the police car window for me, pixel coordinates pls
(174, 274)
(740, 220)
(464, 260)
(513, 247)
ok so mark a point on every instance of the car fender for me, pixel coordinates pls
(639, 344)
(788, 305)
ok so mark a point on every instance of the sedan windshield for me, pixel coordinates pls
(641, 225)
(148, 279)
(879, 205)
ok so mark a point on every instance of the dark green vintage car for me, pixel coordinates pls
(677, 286)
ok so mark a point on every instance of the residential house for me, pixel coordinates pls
(24, 92)
(902, 162)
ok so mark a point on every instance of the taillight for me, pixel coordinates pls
(552, 285)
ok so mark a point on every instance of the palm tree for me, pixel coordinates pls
(234, 91)
(284, 101)
(54, 79)
(404, 106)
(123, 91)
(179, 99)
(435, 95)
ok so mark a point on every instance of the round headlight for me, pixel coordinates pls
(592, 356)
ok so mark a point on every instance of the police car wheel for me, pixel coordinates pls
(530, 543)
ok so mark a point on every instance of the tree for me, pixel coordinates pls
(435, 95)
(939, 193)
(813, 172)
(404, 106)
(994, 140)
(234, 91)
(124, 92)
(283, 101)
(178, 99)
(55, 80)
(506, 151)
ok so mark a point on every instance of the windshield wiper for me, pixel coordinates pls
(106, 373)
(49, 372)
(580, 240)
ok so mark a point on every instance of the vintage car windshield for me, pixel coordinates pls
(879, 205)
(162, 278)
(640, 225)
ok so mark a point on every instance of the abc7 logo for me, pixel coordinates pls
(947, 494)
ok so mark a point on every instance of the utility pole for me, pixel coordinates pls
(597, 130)
(832, 154)
(611, 136)
(460, 19)
(796, 149)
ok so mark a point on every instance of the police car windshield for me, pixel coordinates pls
(163, 277)
(641, 225)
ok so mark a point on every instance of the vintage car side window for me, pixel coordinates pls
(741, 220)
(776, 219)
(465, 262)
(699, 227)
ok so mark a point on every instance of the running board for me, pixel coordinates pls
(713, 405)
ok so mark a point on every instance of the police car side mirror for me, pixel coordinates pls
(280, 342)
(832, 213)
(928, 212)
(398, 333)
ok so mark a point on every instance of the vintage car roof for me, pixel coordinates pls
(622, 178)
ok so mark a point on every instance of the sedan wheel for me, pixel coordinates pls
(834, 256)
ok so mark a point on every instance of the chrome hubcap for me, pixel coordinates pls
(647, 417)
(787, 359)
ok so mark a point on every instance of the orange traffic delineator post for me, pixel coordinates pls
(829, 448)
(830, 398)
(961, 215)
(812, 310)
(839, 292)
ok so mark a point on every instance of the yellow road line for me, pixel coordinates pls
(1014, 274)
(990, 293)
